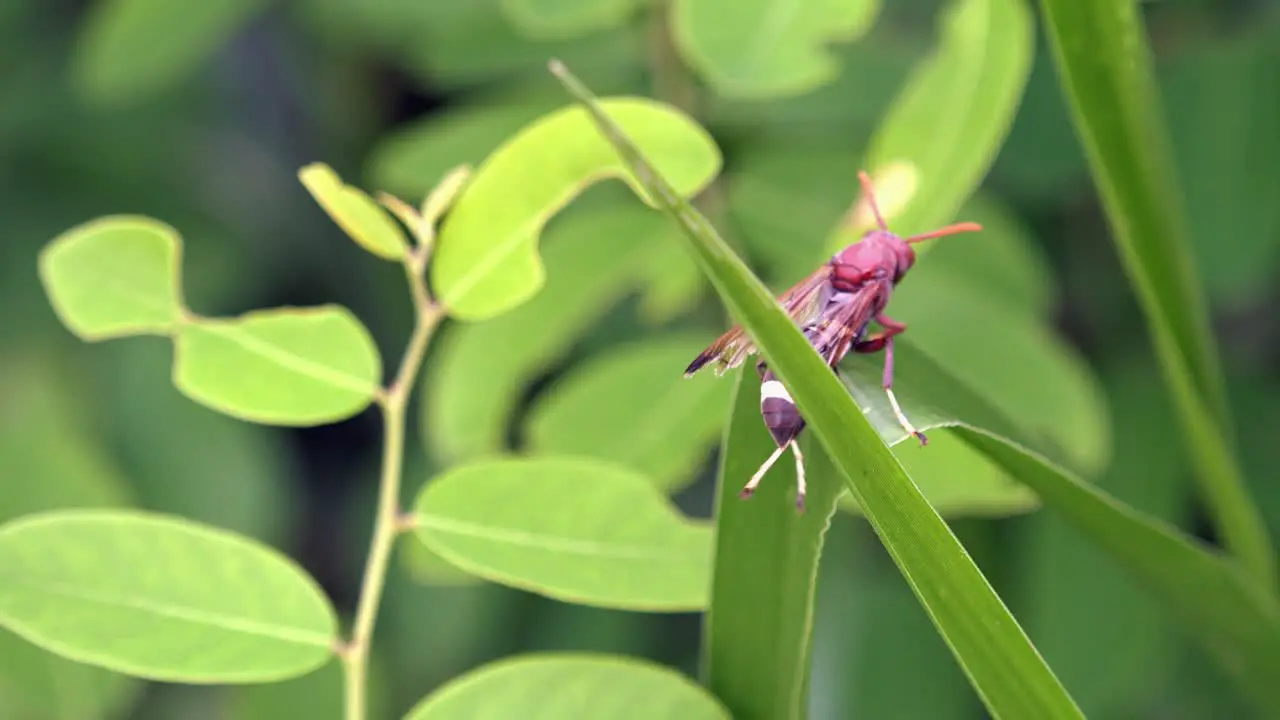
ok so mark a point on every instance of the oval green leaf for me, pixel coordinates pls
(486, 260)
(594, 258)
(947, 124)
(114, 277)
(288, 366)
(574, 529)
(129, 49)
(570, 685)
(355, 212)
(759, 49)
(631, 406)
(161, 598)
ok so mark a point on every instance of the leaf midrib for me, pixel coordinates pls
(542, 541)
(286, 359)
(220, 620)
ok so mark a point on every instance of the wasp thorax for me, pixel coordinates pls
(879, 255)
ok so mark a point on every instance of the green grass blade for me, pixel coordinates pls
(758, 629)
(1105, 69)
(1235, 621)
(1000, 661)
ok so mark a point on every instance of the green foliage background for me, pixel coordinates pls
(201, 119)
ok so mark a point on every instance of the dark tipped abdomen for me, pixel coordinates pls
(780, 413)
(783, 420)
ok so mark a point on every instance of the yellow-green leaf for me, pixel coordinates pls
(595, 257)
(486, 260)
(355, 212)
(289, 366)
(114, 276)
(575, 529)
(161, 598)
(570, 685)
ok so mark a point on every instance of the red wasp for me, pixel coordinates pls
(833, 307)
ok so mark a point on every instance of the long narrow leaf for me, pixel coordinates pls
(759, 628)
(1105, 67)
(1213, 600)
(1003, 666)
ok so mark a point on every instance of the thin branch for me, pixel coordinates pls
(388, 522)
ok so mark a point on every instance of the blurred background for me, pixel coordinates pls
(200, 116)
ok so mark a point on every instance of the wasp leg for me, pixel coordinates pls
(800, 485)
(885, 340)
(749, 489)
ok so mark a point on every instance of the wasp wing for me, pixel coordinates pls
(802, 301)
(835, 334)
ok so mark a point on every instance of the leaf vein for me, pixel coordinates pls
(215, 619)
(288, 360)
(552, 543)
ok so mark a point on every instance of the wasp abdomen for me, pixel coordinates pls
(780, 413)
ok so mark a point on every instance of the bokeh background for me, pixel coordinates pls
(205, 126)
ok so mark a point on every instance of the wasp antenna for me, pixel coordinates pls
(948, 230)
(870, 194)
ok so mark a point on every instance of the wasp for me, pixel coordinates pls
(834, 307)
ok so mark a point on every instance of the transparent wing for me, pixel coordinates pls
(803, 301)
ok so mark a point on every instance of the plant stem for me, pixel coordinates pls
(387, 525)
